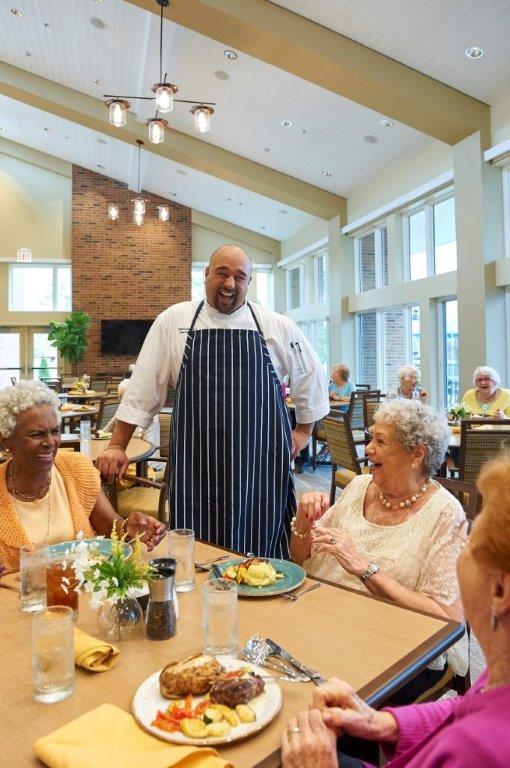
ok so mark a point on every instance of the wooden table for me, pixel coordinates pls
(81, 398)
(373, 644)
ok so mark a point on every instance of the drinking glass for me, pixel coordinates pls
(181, 546)
(61, 583)
(53, 654)
(219, 617)
(32, 562)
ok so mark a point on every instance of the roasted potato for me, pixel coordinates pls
(245, 713)
(194, 675)
(229, 714)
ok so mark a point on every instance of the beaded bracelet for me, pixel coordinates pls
(295, 532)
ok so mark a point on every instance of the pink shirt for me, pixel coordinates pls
(471, 731)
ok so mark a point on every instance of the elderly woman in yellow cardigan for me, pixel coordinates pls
(48, 496)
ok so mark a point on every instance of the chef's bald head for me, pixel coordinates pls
(227, 278)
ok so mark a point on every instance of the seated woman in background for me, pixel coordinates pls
(392, 532)
(461, 732)
(47, 496)
(487, 398)
(340, 387)
(408, 387)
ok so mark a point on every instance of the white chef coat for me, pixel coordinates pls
(160, 359)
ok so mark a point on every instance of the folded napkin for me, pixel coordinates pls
(108, 737)
(92, 654)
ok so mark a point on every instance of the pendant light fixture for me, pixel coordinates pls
(113, 212)
(138, 201)
(164, 98)
(163, 212)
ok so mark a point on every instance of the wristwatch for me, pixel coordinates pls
(372, 568)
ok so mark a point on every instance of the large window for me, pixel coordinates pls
(295, 287)
(387, 339)
(448, 323)
(317, 333)
(372, 260)
(415, 338)
(367, 348)
(430, 238)
(320, 270)
(39, 288)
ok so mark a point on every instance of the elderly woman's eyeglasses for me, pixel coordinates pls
(461, 532)
(481, 379)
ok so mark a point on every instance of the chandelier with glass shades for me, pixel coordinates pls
(138, 201)
(164, 96)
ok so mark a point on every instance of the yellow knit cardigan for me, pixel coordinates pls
(82, 483)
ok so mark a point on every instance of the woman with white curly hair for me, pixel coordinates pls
(392, 532)
(48, 496)
(408, 387)
(487, 398)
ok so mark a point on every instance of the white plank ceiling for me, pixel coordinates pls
(428, 35)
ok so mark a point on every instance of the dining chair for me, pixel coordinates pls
(480, 441)
(147, 496)
(98, 384)
(356, 415)
(107, 410)
(165, 422)
(371, 404)
(345, 462)
(319, 434)
(466, 493)
(361, 387)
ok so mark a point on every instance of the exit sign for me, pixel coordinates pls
(24, 254)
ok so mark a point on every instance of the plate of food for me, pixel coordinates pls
(206, 701)
(261, 576)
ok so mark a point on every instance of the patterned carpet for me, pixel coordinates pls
(320, 480)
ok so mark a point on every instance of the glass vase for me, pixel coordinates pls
(121, 621)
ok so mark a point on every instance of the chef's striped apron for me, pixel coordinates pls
(231, 444)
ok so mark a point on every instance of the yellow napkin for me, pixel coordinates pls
(108, 737)
(92, 654)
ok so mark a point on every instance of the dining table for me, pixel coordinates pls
(375, 645)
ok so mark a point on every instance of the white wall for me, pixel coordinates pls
(412, 172)
(500, 117)
(209, 233)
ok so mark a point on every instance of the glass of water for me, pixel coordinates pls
(32, 562)
(181, 546)
(53, 654)
(219, 617)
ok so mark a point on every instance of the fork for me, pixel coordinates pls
(202, 564)
(297, 595)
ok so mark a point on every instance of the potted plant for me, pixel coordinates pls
(70, 337)
(458, 412)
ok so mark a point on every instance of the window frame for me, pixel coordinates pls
(426, 205)
(442, 364)
(381, 340)
(376, 230)
(55, 267)
(288, 288)
(322, 256)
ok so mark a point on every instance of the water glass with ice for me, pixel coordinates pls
(219, 617)
(32, 560)
(53, 654)
(181, 546)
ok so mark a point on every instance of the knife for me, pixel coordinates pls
(277, 650)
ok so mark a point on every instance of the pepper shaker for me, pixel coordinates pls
(161, 620)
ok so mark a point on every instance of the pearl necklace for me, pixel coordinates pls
(407, 502)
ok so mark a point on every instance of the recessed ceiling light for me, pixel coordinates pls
(282, 210)
(305, 130)
(221, 75)
(182, 171)
(103, 167)
(97, 81)
(286, 124)
(230, 54)
(370, 139)
(97, 23)
(327, 173)
(16, 12)
(386, 123)
(474, 52)
(102, 141)
(228, 199)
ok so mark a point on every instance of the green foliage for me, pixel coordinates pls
(112, 579)
(44, 371)
(70, 337)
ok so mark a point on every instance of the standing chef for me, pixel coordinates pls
(231, 442)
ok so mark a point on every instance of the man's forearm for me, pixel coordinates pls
(306, 429)
(122, 434)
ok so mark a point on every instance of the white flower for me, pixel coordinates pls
(115, 581)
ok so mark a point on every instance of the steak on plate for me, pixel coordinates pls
(236, 691)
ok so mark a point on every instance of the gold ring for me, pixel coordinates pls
(332, 540)
(294, 729)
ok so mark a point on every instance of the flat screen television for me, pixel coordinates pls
(123, 337)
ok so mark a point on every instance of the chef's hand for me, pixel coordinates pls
(308, 743)
(300, 438)
(333, 541)
(112, 463)
(150, 530)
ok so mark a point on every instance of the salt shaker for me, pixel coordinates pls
(161, 620)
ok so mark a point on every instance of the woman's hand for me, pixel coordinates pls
(3, 569)
(312, 506)
(344, 711)
(150, 530)
(333, 541)
(308, 743)
(499, 414)
(423, 394)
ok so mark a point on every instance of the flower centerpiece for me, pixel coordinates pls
(457, 412)
(112, 584)
(82, 384)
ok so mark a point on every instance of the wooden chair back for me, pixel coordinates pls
(480, 441)
(165, 423)
(341, 443)
(355, 412)
(107, 410)
(361, 387)
(466, 493)
(98, 384)
(371, 404)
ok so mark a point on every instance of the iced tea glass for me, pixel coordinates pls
(61, 583)
(53, 654)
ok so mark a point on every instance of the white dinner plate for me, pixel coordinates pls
(148, 699)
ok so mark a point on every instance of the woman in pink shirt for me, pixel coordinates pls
(472, 731)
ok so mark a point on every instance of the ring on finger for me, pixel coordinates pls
(294, 729)
(332, 541)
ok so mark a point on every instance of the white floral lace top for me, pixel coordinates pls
(419, 553)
